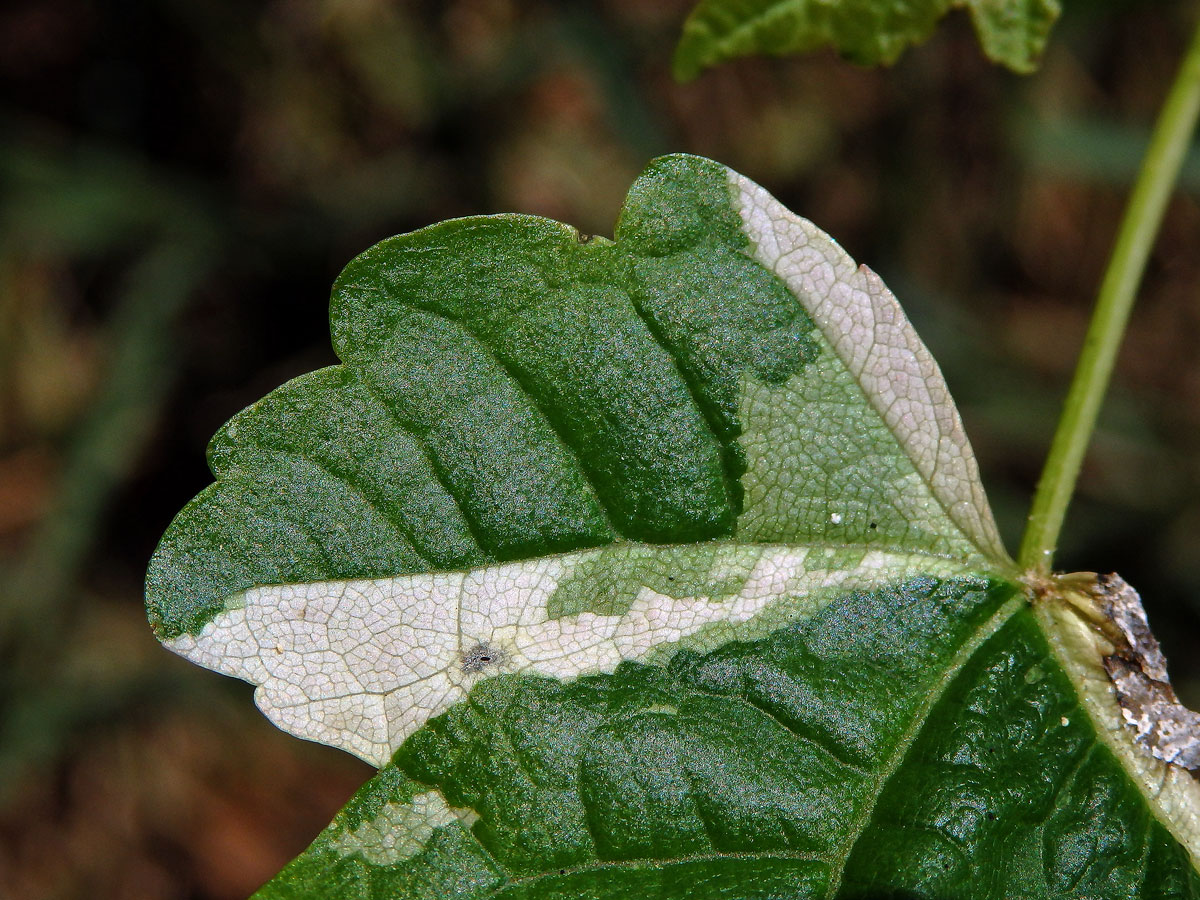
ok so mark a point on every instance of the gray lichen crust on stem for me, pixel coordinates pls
(1099, 632)
(1169, 730)
(1133, 660)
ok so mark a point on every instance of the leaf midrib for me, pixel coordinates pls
(600, 865)
(965, 653)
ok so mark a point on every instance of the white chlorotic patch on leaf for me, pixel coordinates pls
(863, 322)
(401, 830)
(819, 456)
(363, 664)
(1082, 645)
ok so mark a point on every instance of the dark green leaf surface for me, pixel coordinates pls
(1008, 793)
(870, 32)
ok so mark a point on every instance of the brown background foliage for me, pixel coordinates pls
(184, 179)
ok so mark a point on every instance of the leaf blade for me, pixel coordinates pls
(869, 32)
(643, 565)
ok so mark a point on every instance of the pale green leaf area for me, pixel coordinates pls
(870, 32)
(655, 567)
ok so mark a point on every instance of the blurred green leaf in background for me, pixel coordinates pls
(870, 32)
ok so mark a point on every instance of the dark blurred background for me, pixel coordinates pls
(183, 179)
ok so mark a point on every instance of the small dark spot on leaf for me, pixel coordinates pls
(873, 525)
(583, 237)
(481, 657)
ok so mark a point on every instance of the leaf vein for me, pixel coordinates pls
(729, 461)
(920, 716)
(435, 464)
(399, 523)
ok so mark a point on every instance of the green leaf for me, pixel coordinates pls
(870, 32)
(658, 566)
